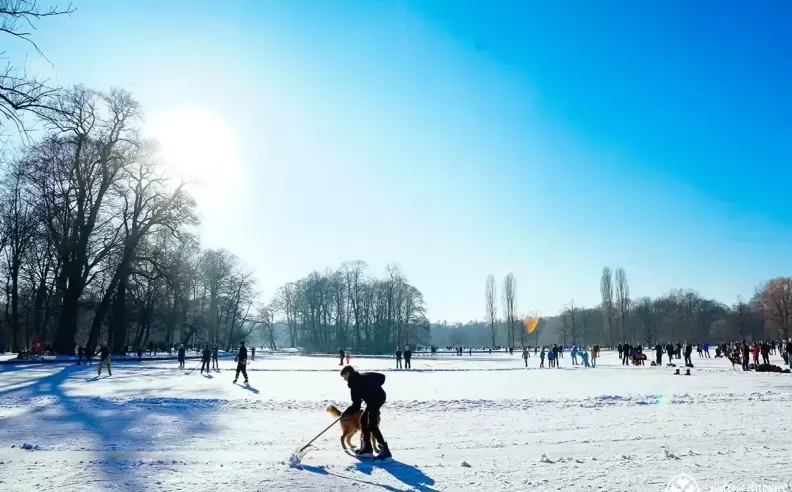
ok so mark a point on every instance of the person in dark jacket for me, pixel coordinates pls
(746, 352)
(206, 359)
(341, 355)
(182, 354)
(253, 353)
(788, 349)
(367, 387)
(104, 358)
(241, 360)
(407, 357)
(764, 349)
(215, 362)
(79, 355)
(688, 353)
(658, 354)
(398, 358)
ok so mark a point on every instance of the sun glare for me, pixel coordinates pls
(201, 149)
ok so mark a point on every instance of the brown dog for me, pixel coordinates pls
(349, 427)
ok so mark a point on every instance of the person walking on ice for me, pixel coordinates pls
(407, 357)
(367, 387)
(525, 356)
(340, 356)
(398, 358)
(241, 360)
(585, 357)
(542, 357)
(215, 362)
(104, 358)
(206, 359)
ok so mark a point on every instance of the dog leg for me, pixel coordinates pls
(343, 445)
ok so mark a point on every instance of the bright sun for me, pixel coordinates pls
(201, 149)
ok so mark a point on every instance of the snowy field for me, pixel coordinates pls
(476, 422)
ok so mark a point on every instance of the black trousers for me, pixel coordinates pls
(205, 364)
(398, 363)
(369, 424)
(407, 363)
(241, 368)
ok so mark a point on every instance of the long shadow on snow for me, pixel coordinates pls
(320, 470)
(407, 474)
(122, 428)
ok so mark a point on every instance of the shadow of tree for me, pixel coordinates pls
(117, 430)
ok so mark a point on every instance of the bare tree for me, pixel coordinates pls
(774, 300)
(18, 91)
(571, 315)
(509, 308)
(623, 301)
(606, 289)
(492, 308)
(647, 314)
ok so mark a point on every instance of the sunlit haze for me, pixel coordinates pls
(459, 142)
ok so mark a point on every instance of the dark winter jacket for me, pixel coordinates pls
(407, 354)
(365, 387)
(207, 353)
(182, 353)
(214, 352)
(104, 352)
(242, 354)
(398, 354)
(789, 347)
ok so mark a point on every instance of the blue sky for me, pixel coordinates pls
(459, 139)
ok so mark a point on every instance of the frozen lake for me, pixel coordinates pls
(152, 427)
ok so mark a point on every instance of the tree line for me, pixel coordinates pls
(348, 308)
(678, 315)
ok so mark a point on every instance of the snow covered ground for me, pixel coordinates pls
(476, 422)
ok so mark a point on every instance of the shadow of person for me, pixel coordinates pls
(409, 475)
(250, 388)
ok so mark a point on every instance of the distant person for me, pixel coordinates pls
(594, 355)
(340, 356)
(206, 359)
(79, 355)
(407, 357)
(705, 349)
(542, 357)
(659, 354)
(215, 361)
(182, 355)
(398, 358)
(253, 352)
(104, 358)
(525, 356)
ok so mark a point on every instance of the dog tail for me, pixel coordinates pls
(332, 410)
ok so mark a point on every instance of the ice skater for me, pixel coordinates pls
(241, 360)
(182, 355)
(367, 387)
(585, 357)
